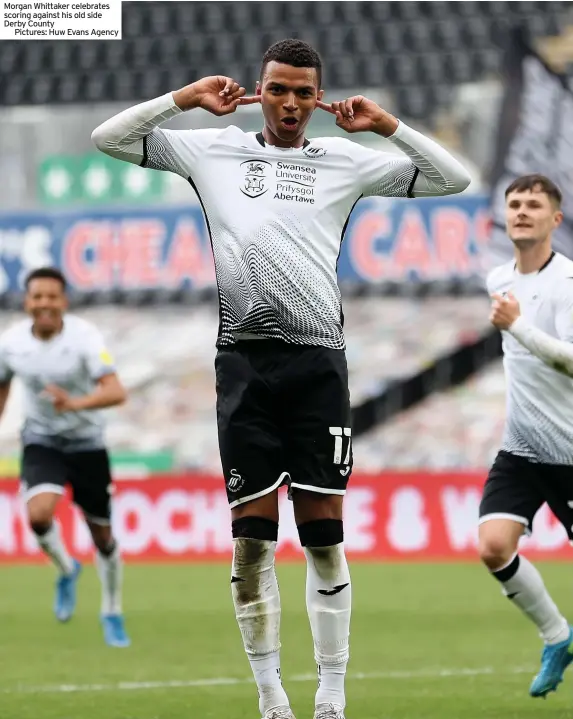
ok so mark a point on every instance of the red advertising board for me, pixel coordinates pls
(390, 516)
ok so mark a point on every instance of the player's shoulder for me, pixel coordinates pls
(560, 278)
(498, 278)
(563, 266)
(339, 145)
(79, 327)
(16, 333)
(233, 135)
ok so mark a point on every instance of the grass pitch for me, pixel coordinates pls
(428, 642)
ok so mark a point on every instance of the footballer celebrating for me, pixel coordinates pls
(276, 204)
(532, 305)
(68, 377)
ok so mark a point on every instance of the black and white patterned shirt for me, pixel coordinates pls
(75, 359)
(276, 216)
(539, 411)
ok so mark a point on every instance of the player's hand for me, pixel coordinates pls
(504, 311)
(61, 400)
(359, 114)
(217, 94)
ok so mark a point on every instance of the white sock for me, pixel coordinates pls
(52, 544)
(328, 601)
(110, 571)
(526, 589)
(257, 607)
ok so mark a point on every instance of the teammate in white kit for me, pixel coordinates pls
(276, 205)
(533, 307)
(67, 376)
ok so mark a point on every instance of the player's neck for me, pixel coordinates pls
(533, 258)
(271, 139)
(46, 336)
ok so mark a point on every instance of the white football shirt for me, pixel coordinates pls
(539, 417)
(276, 219)
(74, 360)
(276, 216)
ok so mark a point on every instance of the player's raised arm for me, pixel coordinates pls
(430, 170)
(131, 135)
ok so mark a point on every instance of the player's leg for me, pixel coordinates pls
(43, 482)
(510, 501)
(319, 455)
(556, 483)
(91, 483)
(328, 594)
(251, 457)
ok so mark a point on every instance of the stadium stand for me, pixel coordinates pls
(171, 380)
(457, 429)
(424, 48)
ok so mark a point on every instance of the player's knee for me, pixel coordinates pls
(312, 506)
(106, 547)
(320, 533)
(495, 550)
(253, 554)
(40, 518)
(40, 525)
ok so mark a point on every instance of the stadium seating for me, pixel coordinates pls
(457, 429)
(418, 49)
(165, 357)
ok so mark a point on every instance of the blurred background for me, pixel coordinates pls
(489, 80)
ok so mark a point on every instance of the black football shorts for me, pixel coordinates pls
(516, 488)
(45, 469)
(283, 416)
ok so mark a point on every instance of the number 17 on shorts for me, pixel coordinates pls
(342, 447)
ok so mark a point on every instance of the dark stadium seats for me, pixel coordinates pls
(414, 48)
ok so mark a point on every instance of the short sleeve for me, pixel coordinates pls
(6, 373)
(97, 356)
(176, 151)
(564, 311)
(383, 174)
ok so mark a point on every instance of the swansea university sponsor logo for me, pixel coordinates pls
(255, 182)
(295, 182)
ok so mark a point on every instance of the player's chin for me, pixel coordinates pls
(46, 323)
(525, 239)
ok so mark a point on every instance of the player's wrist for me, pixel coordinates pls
(77, 404)
(385, 124)
(187, 98)
(518, 325)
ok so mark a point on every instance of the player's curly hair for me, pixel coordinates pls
(293, 52)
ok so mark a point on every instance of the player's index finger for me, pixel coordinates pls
(326, 107)
(249, 99)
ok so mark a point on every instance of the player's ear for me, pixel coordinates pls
(320, 94)
(258, 89)
(557, 218)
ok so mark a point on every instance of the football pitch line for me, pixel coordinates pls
(230, 681)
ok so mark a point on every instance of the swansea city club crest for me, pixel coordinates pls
(255, 183)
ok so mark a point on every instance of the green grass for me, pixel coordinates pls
(407, 618)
